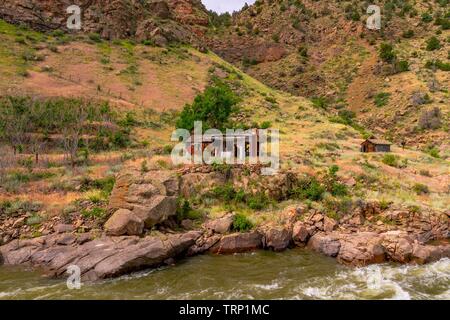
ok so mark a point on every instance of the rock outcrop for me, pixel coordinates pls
(141, 198)
(124, 222)
(238, 242)
(156, 20)
(101, 258)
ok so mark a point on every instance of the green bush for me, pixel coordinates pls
(427, 17)
(387, 53)
(382, 99)
(266, 125)
(433, 44)
(258, 201)
(408, 34)
(95, 37)
(225, 192)
(390, 160)
(339, 189)
(308, 188)
(421, 189)
(320, 102)
(402, 66)
(433, 151)
(437, 64)
(241, 223)
(185, 211)
(94, 213)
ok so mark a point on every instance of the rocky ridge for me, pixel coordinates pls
(155, 20)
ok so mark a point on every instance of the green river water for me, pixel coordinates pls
(294, 274)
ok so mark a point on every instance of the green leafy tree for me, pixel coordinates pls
(213, 107)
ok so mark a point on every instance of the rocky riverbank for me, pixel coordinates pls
(142, 233)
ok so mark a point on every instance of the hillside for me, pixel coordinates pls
(150, 84)
(322, 50)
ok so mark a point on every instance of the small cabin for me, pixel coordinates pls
(375, 145)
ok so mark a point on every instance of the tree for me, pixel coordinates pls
(387, 53)
(14, 121)
(72, 120)
(213, 107)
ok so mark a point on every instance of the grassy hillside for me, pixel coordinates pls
(146, 87)
(322, 49)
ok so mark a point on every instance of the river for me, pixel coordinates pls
(294, 274)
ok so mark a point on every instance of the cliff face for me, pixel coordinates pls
(157, 20)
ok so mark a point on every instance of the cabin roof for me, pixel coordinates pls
(378, 142)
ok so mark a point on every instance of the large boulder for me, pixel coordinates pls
(151, 197)
(398, 245)
(427, 253)
(277, 238)
(327, 244)
(124, 222)
(221, 225)
(238, 242)
(300, 233)
(360, 249)
(156, 210)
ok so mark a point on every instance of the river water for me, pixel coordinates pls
(294, 274)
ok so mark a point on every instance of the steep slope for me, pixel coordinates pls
(148, 85)
(323, 49)
(155, 20)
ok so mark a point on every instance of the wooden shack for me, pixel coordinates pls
(375, 145)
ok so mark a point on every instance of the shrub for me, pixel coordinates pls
(339, 189)
(35, 219)
(433, 151)
(320, 102)
(421, 189)
(225, 192)
(408, 34)
(258, 201)
(437, 64)
(144, 166)
(303, 51)
(308, 188)
(271, 100)
(430, 119)
(94, 213)
(433, 44)
(427, 17)
(387, 53)
(402, 66)
(266, 125)
(185, 211)
(390, 160)
(95, 37)
(241, 223)
(382, 99)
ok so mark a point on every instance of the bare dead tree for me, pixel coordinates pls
(73, 121)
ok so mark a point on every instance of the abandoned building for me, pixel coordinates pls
(243, 144)
(375, 145)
